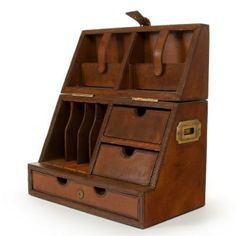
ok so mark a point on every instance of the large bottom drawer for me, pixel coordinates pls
(122, 204)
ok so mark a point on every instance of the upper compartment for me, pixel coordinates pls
(169, 63)
(98, 60)
(157, 60)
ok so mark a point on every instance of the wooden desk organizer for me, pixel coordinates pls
(127, 139)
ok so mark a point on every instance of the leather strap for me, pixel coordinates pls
(158, 51)
(102, 51)
(136, 15)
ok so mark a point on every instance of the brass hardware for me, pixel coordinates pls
(80, 193)
(144, 99)
(188, 131)
(86, 95)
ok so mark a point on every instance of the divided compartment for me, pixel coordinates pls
(158, 58)
(83, 134)
(71, 130)
(73, 135)
(137, 123)
(89, 130)
(100, 111)
(100, 60)
(125, 163)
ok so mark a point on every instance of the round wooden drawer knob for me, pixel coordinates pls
(80, 194)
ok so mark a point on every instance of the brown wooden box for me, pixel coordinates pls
(127, 140)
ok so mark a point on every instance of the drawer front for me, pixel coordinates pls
(97, 197)
(137, 123)
(125, 163)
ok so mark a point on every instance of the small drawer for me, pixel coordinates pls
(137, 123)
(125, 163)
(98, 197)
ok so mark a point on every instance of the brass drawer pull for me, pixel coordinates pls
(80, 194)
(188, 131)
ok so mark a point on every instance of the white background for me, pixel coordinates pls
(37, 41)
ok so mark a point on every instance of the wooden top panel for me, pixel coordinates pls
(146, 28)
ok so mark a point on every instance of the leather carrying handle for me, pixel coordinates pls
(136, 15)
(102, 52)
(158, 51)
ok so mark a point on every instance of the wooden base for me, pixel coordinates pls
(134, 192)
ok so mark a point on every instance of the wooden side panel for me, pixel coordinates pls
(54, 144)
(181, 184)
(196, 84)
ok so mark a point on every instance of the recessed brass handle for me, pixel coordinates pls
(188, 131)
(80, 194)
